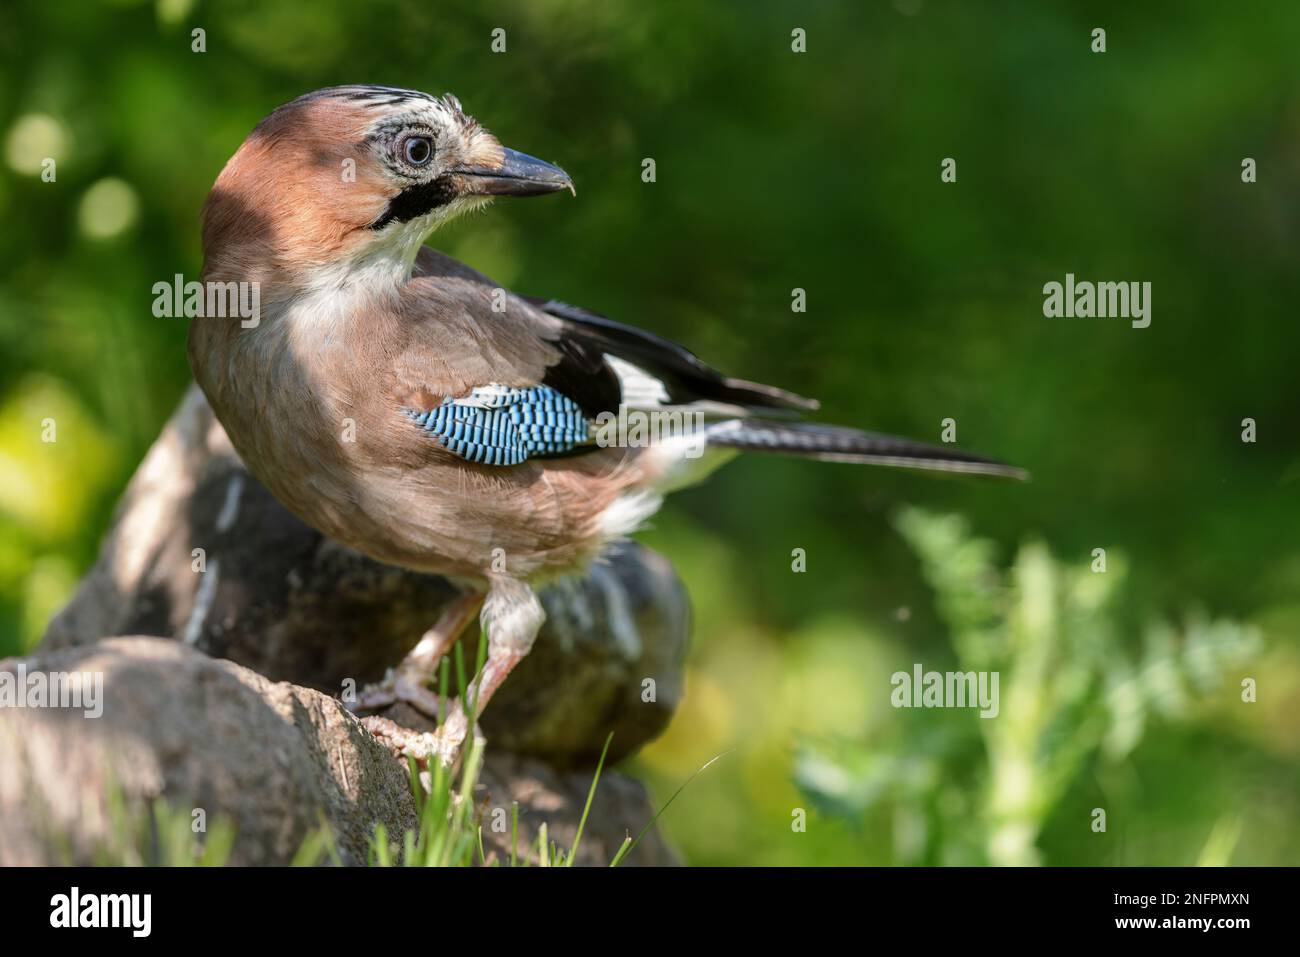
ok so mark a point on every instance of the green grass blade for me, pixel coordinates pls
(444, 677)
(380, 845)
(591, 794)
(645, 830)
(514, 833)
(622, 851)
(460, 676)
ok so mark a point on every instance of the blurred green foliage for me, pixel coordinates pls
(1068, 698)
(779, 170)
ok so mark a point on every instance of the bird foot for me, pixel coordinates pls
(393, 688)
(449, 738)
(443, 745)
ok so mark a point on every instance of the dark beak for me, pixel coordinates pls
(518, 175)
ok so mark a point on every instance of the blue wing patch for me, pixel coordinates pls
(501, 425)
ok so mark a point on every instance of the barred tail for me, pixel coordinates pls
(835, 443)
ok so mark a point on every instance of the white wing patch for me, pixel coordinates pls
(640, 389)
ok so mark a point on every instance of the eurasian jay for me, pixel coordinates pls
(405, 405)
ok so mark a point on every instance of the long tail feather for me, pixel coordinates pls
(835, 443)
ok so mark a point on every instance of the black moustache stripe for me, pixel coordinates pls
(416, 201)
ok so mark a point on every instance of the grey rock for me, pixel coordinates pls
(272, 759)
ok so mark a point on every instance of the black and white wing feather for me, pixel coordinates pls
(615, 364)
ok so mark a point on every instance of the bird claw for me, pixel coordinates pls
(449, 738)
(443, 745)
(402, 742)
(393, 688)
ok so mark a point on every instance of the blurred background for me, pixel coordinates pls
(818, 171)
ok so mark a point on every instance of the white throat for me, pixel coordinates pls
(380, 267)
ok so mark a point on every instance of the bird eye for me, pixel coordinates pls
(417, 150)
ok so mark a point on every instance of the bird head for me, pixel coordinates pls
(354, 178)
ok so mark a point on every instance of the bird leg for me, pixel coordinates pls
(409, 681)
(511, 616)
